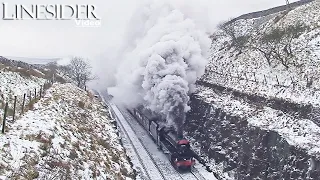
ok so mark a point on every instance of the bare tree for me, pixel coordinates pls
(64, 71)
(80, 71)
(276, 45)
(237, 41)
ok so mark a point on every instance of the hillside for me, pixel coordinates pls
(253, 56)
(255, 114)
(17, 81)
(61, 131)
(67, 134)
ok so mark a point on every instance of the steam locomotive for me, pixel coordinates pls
(176, 149)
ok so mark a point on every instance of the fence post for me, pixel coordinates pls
(265, 79)
(40, 91)
(24, 99)
(4, 118)
(35, 93)
(14, 107)
(278, 80)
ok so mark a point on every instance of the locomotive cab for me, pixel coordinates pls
(183, 145)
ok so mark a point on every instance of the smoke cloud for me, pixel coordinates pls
(165, 53)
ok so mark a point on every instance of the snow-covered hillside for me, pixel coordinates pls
(68, 135)
(16, 81)
(13, 84)
(254, 113)
(250, 55)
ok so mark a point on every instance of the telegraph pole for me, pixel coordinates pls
(288, 4)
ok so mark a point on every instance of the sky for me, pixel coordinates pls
(54, 38)
(59, 38)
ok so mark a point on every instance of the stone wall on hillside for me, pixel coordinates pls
(253, 153)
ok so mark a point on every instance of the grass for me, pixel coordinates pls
(81, 104)
(89, 148)
(30, 105)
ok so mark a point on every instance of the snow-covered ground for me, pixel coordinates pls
(298, 132)
(14, 84)
(249, 71)
(151, 156)
(149, 168)
(68, 135)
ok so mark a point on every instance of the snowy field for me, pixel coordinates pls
(68, 135)
(150, 156)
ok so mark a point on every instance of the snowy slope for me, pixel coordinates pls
(249, 71)
(67, 135)
(298, 132)
(13, 84)
(17, 83)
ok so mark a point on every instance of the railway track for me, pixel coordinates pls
(196, 174)
(193, 175)
(135, 150)
(149, 168)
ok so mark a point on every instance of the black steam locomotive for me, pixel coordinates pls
(177, 149)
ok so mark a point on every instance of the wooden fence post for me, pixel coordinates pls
(265, 79)
(4, 118)
(278, 80)
(14, 107)
(40, 91)
(24, 99)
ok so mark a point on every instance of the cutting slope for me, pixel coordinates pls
(68, 135)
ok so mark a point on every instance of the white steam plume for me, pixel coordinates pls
(165, 58)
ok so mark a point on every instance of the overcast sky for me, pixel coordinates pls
(29, 38)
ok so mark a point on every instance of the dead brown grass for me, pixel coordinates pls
(81, 104)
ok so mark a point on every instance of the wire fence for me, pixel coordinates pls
(263, 79)
(300, 90)
(18, 105)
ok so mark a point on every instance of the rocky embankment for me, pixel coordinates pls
(247, 150)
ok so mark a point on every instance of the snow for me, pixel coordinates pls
(13, 84)
(68, 134)
(299, 132)
(148, 166)
(226, 67)
(249, 73)
(302, 133)
(158, 158)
